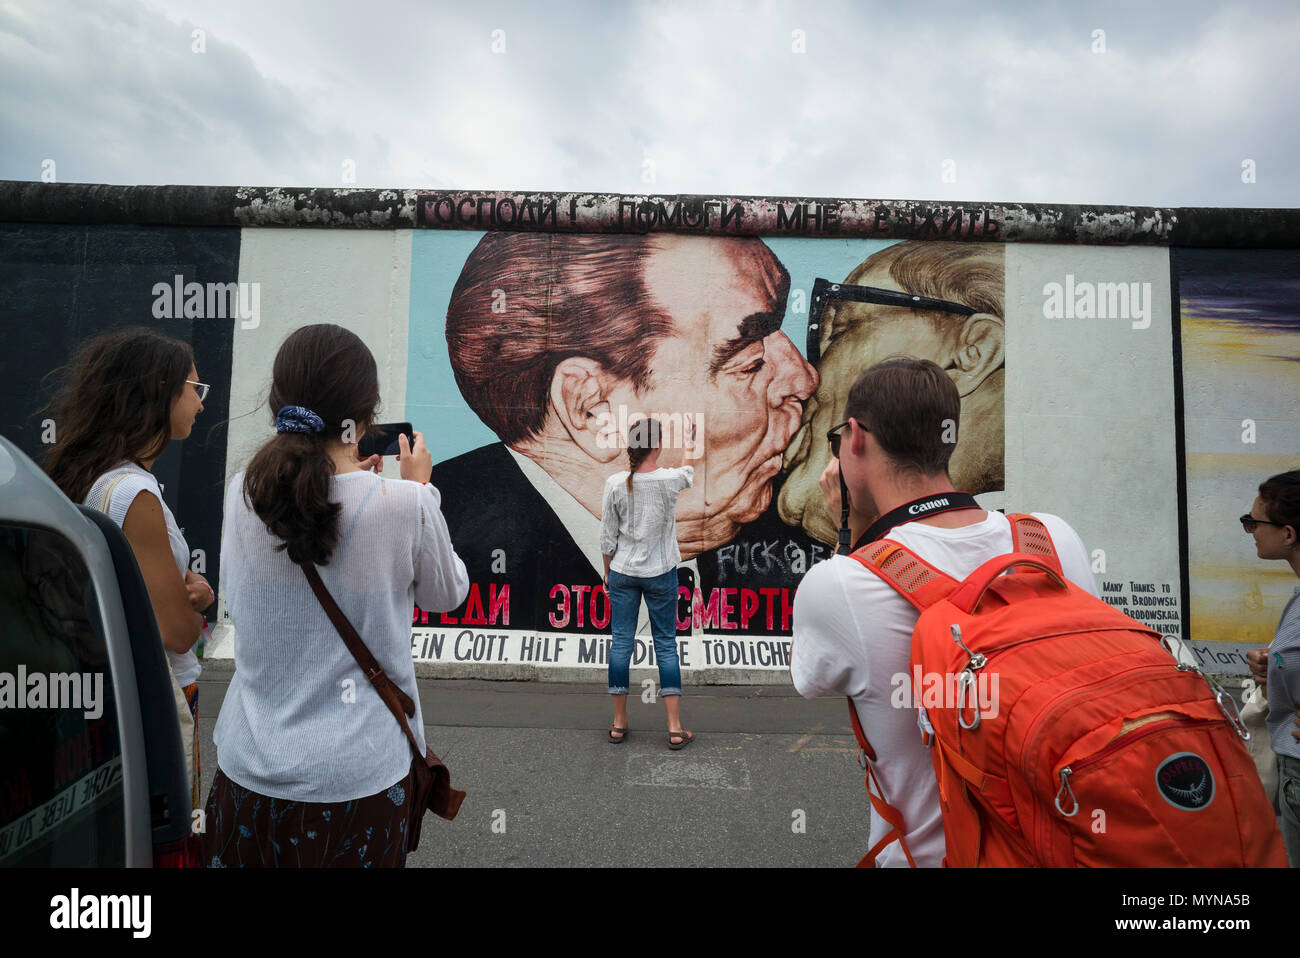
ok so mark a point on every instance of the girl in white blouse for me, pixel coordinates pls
(638, 539)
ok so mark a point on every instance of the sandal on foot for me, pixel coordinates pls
(686, 736)
(622, 734)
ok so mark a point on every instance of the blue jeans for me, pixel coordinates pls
(660, 593)
(1288, 802)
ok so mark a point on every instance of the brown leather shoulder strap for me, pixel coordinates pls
(398, 702)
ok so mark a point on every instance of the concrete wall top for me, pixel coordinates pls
(82, 203)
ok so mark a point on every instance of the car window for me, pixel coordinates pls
(61, 794)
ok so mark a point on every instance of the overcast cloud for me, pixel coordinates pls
(657, 97)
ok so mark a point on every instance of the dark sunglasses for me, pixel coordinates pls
(833, 437)
(1249, 522)
(825, 292)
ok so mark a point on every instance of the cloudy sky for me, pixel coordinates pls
(1128, 103)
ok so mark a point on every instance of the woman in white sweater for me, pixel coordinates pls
(313, 769)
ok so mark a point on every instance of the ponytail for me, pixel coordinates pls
(634, 458)
(288, 485)
(324, 386)
(642, 440)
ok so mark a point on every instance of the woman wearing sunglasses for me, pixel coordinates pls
(127, 395)
(1274, 521)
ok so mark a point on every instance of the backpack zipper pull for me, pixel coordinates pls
(977, 659)
(1066, 790)
(1228, 706)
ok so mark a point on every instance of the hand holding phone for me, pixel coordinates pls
(416, 461)
(381, 439)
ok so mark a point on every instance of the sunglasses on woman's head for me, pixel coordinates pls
(1249, 522)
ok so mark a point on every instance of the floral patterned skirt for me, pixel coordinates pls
(246, 830)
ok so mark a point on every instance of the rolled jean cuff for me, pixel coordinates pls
(663, 692)
(618, 690)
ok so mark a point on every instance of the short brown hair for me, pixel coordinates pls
(525, 302)
(912, 408)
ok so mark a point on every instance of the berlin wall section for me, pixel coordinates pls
(1128, 369)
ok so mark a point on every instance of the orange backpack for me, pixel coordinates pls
(1095, 748)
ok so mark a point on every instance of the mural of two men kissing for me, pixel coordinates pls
(556, 342)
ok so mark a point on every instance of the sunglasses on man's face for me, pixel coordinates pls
(1249, 523)
(833, 437)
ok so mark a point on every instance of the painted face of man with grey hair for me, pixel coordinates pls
(968, 346)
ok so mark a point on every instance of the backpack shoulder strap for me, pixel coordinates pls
(912, 577)
(879, 804)
(1030, 536)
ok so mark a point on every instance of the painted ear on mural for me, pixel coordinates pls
(980, 351)
(579, 402)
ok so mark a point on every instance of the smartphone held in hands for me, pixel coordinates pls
(381, 440)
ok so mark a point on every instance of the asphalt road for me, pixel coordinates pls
(771, 779)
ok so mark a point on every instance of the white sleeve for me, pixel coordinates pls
(828, 654)
(1075, 561)
(608, 521)
(130, 486)
(687, 476)
(441, 582)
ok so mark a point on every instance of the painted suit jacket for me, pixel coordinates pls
(745, 587)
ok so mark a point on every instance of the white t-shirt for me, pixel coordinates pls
(185, 665)
(853, 634)
(300, 720)
(639, 529)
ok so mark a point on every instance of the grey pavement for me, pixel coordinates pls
(545, 787)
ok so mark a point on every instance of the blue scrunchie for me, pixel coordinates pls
(298, 419)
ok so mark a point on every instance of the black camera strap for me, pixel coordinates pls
(917, 509)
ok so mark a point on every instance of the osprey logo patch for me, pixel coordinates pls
(1185, 781)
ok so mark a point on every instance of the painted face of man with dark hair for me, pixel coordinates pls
(726, 366)
(859, 335)
(732, 363)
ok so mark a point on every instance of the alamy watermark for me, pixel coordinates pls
(182, 300)
(676, 430)
(53, 690)
(128, 912)
(968, 691)
(1085, 300)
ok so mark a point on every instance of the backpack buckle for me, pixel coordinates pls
(862, 759)
(923, 723)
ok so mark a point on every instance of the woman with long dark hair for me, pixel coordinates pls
(312, 767)
(638, 539)
(126, 395)
(1274, 521)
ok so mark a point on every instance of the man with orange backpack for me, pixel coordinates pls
(1005, 714)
